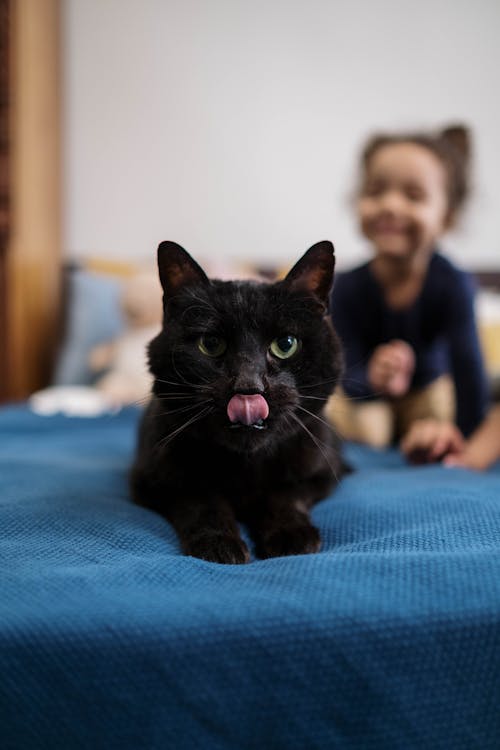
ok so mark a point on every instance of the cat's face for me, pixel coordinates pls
(243, 360)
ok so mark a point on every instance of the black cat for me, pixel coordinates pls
(234, 430)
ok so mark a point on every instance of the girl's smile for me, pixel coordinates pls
(403, 202)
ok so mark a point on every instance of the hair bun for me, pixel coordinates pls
(459, 137)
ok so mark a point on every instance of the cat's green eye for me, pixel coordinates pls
(211, 346)
(284, 347)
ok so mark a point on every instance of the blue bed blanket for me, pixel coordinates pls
(110, 638)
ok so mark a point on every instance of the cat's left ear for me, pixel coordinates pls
(314, 271)
(178, 269)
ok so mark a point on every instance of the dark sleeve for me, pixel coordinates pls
(465, 355)
(347, 306)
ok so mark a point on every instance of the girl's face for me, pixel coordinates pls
(403, 204)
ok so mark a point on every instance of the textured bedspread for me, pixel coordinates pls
(109, 638)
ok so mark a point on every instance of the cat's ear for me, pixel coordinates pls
(178, 269)
(314, 271)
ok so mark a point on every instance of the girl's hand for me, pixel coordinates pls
(391, 367)
(483, 447)
(429, 440)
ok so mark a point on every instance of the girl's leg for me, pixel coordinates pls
(437, 401)
(370, 422)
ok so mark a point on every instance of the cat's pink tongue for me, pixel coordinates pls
(247, 409)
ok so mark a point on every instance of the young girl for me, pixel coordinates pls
(406, 318)
(429, 440)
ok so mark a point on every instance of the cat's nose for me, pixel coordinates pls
(248, 382)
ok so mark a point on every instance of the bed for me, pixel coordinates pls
(110, 638)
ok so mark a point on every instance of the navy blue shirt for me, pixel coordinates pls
(440, 327)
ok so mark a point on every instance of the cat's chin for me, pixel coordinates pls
(246, 439)
(254, 438)
(260, 425)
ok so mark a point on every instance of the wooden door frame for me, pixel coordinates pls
(4, 179)
(32, 258)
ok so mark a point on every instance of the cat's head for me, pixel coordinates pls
(247, 362)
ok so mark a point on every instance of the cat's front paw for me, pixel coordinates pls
(301, 539)
(219, 548)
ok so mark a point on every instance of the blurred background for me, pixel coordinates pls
(233, 128)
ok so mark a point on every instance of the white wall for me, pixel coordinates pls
(233, 127)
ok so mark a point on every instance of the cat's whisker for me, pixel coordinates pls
(175, 396)
(173, 382)
(322, 382)
(168, 438)
(168, 382)
(183, 408)
(327, 423)
(206, 381)
(342, 411)
(318, 443)
(316, 398)
(142, 401)
(375, 394)
(326, 445)
(314, 415)
(354, 381)
(360, 361)
(175, 368)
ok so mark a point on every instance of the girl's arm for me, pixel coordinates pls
(466, 358)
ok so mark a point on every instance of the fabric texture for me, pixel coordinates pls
(110, 638)
(440, 327)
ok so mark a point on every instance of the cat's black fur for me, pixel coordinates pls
(195, 467)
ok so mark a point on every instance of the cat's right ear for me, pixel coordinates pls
(178, 269)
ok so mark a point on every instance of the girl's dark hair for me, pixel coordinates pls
(452, 147)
